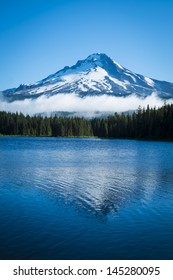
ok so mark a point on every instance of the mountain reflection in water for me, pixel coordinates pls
(60, 198)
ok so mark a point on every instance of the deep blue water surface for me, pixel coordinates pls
(85, 199)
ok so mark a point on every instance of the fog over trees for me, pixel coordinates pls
(149, 123)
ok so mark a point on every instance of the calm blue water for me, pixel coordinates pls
(85, 199)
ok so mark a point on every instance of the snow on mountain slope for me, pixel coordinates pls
(96, 75)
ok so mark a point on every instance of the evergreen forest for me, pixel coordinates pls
(146, 124)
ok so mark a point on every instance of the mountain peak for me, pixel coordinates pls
(100, 56)
(97, 74)
(93, 59)
(96, 60)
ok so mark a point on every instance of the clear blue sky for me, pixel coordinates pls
(39, 37)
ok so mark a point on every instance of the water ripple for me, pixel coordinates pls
(78, 192)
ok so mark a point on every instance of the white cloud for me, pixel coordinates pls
(73, 103)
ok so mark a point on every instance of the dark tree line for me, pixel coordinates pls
(150, 123)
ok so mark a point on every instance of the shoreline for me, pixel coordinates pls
(90, 137)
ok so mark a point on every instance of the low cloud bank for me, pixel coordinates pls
(73, 103)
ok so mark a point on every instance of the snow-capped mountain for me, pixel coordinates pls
(96, 75)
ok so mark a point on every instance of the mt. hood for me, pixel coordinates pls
(94, 77)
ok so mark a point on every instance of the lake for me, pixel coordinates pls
(85, 199)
